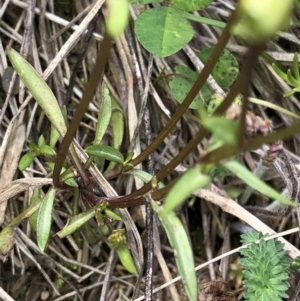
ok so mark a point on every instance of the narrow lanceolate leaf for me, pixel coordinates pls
(144, 176)
(180, 243)
(104, 115)
(45, 218)
(76, 222)
(34, 200)
(249, 178)
(104, 151)
(190, 181)
(117, 123)
(39, 90)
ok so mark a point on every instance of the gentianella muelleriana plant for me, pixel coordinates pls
(266, 268)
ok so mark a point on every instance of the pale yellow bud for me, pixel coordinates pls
(260, 20)
(118, 14)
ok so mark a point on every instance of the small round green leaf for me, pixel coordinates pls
(180, 86)
(163, 31)
(104, 151)
(191, 5)
(26, 160)
(44, 219)
(226, 68)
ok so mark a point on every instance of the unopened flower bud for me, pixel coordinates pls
(260, 20)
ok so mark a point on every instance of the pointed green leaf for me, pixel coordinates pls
(39, 90)
(163, 31)
(250, 179)
(105, 151)
(144, 176)
(26, 160)
(279, 72)
(35, 198)
(181, 86)
(117, 123)
(291, 80)
(76, 222)
(41, 140)
(112, 214)
(183, 252)
(45, 219)
(104, 115)
(181, 191)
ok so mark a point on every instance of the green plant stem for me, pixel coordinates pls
(190, 96)
(226, 151)
(201, 134)
(82, 107)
